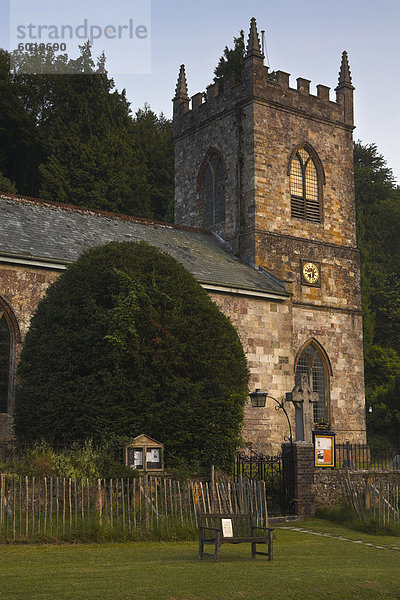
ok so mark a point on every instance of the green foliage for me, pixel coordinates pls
(6, 185)
(343, 514)
(378, 231)
(78, 461)
(71, 138)
(91, 530)
(127, 342)
(156, 154)
(231, 63)
(20, 150)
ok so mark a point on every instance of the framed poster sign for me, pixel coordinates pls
(135, 458)
(324, 449)
(227, 529)
(153, 458)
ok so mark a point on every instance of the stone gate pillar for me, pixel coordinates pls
(300, 468)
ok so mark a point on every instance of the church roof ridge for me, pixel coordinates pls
(85, 210)
(46, 234)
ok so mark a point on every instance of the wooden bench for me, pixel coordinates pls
(219, 528)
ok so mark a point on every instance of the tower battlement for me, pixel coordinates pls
(257, 84)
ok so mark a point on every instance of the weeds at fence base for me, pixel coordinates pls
(343, 514)
(167, 530)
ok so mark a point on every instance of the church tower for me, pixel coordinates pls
(269, 169)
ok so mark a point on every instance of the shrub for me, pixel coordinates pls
(127, 342)
(79, 461)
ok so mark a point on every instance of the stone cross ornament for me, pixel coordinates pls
(303, 399)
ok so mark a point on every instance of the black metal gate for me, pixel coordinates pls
(276, 471)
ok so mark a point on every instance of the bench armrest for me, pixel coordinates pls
(209, 528)
(264, 528)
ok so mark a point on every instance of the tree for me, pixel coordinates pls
(76, 139)
(232, 61)
(127, 342)
(20, 148)
(378, 231)
(156, 154)
(91, 152)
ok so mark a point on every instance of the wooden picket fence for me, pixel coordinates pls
(49, 506)
(373, 499)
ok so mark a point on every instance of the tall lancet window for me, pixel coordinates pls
(214, 191)
(305, 187)
(5, 344)
(312, 362)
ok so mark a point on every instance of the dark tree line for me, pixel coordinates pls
(69, 136)
(378, 232)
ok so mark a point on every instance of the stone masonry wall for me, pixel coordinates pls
(340, 334)
(21, 289)
(230, 135)
(264, 328)
(272, 334)
(265, 331)
(328, 489)
(278, 132)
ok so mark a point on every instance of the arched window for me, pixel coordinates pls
(214, 191)
(305, 187)
(5, 353)
(312, 362)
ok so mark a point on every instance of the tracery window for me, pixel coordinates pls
(5, 346)
(305, 187)
(214, 191)
(313, 363)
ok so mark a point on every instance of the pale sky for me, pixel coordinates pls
(305, 39)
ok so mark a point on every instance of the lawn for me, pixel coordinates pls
(305, 567)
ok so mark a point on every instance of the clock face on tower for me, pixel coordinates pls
(310, 273)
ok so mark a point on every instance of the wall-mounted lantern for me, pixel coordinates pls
(144, 454)
(258, 398)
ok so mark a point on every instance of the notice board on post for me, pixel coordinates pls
(144, 454)
(324, 449)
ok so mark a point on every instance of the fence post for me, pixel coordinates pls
(2, 498)
(213, 503)
(348, 462)
(100, 500)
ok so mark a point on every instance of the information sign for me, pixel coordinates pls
(324, 449)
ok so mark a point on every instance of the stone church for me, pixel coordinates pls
(264, 219)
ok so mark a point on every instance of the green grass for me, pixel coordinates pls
(323, 526)
(344, 515)
(305, 567)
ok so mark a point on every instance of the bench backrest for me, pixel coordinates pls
(230, 525)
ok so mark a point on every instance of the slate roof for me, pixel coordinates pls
(59, 233)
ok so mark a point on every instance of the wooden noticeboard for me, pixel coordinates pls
(144, 454)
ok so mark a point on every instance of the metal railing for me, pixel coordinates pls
(362, 457)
